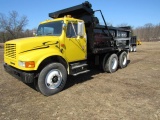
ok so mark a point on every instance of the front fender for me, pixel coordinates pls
(38, 56)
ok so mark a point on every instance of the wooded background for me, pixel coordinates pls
(148, 32)
(13, 25)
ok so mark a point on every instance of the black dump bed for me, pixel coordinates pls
(100, 38)
(83, 11)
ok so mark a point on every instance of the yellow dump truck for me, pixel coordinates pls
(66, 45)
(139, 42)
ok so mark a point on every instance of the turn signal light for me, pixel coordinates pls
(26, 64)
(29, 64)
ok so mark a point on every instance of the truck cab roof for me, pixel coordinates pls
(67, 17)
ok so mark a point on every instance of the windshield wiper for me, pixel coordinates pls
(49, 34)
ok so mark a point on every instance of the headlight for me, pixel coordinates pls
(26, 64)
(21, 63)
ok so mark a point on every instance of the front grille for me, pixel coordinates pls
(10, 50)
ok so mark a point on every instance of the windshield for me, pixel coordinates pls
(50, 29)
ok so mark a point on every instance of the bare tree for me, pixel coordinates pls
(148, 32)
(13, 24)
(126, 25)
(157, 31)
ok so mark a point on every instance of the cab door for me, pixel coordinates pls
(75, 45)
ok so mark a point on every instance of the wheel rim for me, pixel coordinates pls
(53, 79)
(114, 63)
(124, 60)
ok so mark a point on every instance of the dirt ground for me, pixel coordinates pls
(132, 93)
(1, 45)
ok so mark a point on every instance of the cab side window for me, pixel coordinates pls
(71, 30)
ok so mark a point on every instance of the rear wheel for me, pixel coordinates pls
(134, 49)
(123, 60)
(131, 48)
(110, 65)
(52, 79)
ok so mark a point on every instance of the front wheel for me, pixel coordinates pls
(52, 79)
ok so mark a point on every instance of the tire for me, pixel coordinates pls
(122, 60)
(131, 49)
(110, 65)
(52, 79)
(134, 48)
(103, 62)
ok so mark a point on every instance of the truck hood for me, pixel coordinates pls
(33, 43)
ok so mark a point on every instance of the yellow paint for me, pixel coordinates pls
(36, 49)
(139, 42)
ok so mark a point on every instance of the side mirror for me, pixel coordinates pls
(80, 31)
(64, 26)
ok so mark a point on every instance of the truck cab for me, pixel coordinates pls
(62, 41)
(58, 37)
